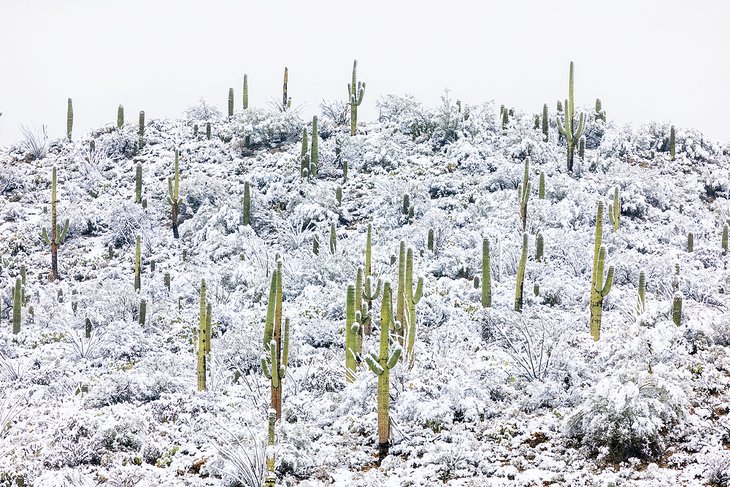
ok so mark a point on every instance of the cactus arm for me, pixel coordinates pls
(609, 282)
(265, 367)
(269, 326)
(560, 126)
(285, 347)
(393, 360)
(44, 236)
(419, 291)
(374, 366)
(274, 364)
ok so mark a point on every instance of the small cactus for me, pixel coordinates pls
(338, 195)
(476, 282)
(285, 101)
(614, 210)
(333, 238)
(677, 308)
(17, 305)
(142, 312)
(641, 300)
(88, 328)
(167, 281)
(545, 123)
(138, 185)
(69, 119)
(230, 102)
(519, 286)
(140, 131)
(582, 148)
(315, 245)
(120, 117)
(539, 247)
(724, 239)
(429, 240)
(314, 157)
(672, 142)
(208, 130)
(202, 340)
(304, 158)
(600, 113)
(246, 204)
(355, 93)
(541, 186)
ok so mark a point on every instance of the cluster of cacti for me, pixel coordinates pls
(203, 339)
(138, 184)
(520, 283)
(120, 117)
(545, 123)
(275, 359)
(523, 195)
(486, 275)
(599, 287)
(138, 264)
(270, 455)
(69, 119)
(614, 210)
(245, 91)
(230, 102)
(173, 194)
(246, 203)
(58, 232)
(355, 93)
(406, 301)
(140, 131)
(570, 131)
(381, 366)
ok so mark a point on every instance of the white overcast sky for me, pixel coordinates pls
(645, 59)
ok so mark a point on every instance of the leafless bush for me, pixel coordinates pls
(243, 461)
(35, 141)
(529, 345)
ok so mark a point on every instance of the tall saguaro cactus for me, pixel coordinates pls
(202, 340)
(138, 184)
(520, 284)
(381, 366)
(230, 102)
(641, 299)
(614, 210)
(545, 123)
(570, 131)
(138, 264)
(352, 329)
(355, 93)
(275, 359)
(140, 130)
(245, 91)
(247, 203)
(486, 275)
(304, 157)
(286, 100)
(173, 194)
(314, 158)
(523, 194)
(270, 473)
(58, 232)
(672, 142)
(599, 287)
(17, 305)
(120, 117)
(69, 119)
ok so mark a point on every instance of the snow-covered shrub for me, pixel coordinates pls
(335, 116)
(202, 112)
(243, 456)
(267, 128)
(446, 122)
(119, 145)
(125, 222)
(407, 116)
(35, 141)
(630, 413)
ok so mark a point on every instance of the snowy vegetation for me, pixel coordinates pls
(457, 228)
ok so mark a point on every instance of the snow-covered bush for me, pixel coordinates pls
(267, 128)
(35, 141)
(202, 112)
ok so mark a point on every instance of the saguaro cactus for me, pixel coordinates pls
(486, 275)
(724, 239)
(381, 366)
(545, 123)
(208, 130)
(275, 359)
(230, 102)
(539, 247)
(140, 130)
(614, 210)
(523, 194)
(173, 194)
(202, 340)
(314, 158)
(138, 264)
(541, 186)
(142, 312)
(69, 119)
(138, 185)
(270, 473)
(677, 308)
(429, 239)
(519, 286)
(571, 133)
(245, 91)
(355, 93)
(304, 158)
(690, 242)
(672, 142)
(599, 287)
(246, 203)
(600, 114)
(641, 299)
(285, 101)
(120, 117)
(58, 232)
(333, 238)
(412, 297)
(17, 305)
(352, 330)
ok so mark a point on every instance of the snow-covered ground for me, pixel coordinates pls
(646, 405)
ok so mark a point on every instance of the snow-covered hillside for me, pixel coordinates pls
(494, 397)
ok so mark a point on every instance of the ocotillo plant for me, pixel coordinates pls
(69, 119)
(138, 264)
(724, 239)
(672, 142)
(245, 91)
(230, 102)
(120, 117)
(690, 242)
(523, 195)
(352, 329)
(520, 284)
(333, 238)
(541, 186)
(304, 158)
(355, 93)
(600, 114)
(381, 366)
(17, 305)
(246, 203)
(285, 101)
(539, 247)
(314, 157)
(138, 185)
(545, 123)
(571, 133)
(486, 275)
(270, 455)
(275, 359)
(173, 194)
(677, 308)
(599, 287)
(140, 131)
(614, 210)
(58, 232)
(641, 300)
(202, 340)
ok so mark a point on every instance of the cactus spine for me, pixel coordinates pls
(275, 359)
(355, 93)
(270, 473)
(541, 186)
(230, 102)
(245, 91)
(677, 308)
(571, 133)
(545, 123)
(614, 210)
(486, 275)
(690, 242)
(599, 288)
(173, 196)
(58, 232)
(246, 203)
(138, 264)
(352, 329)
(519, 286)
(724, 239)
(120, 117)
(138, 185)
(523, 195)
(381, 366)
(17, 305)
(202, 340)
(641, 301)
(69, 119)
(314, 158)
(672, 142)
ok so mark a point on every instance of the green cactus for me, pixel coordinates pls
(541, 186)
(202, 340)
(69, 119)
(539, 247)
(724, 239)
(246, 204)
(411, 298)
(333, 238)
(536, 126)
(208, 328)
(314, 157)
(641, 301)
(173, 194)
(138, 264)
(560, 106)
(230, 102)
(571, 133)
(545, 123)
(672, 142)
(270, 455)
(88, 328)
(352, 330)
(486, 275)
(355, 93)
(167, 281)
(407, 209)
(138, 185)
(600, 114)
(677, 308)
(523, 194)
(381, 366)
(208, 130)
(120, 117)
(582, 148)
(58, 232)
(17, 305)
(245, 91)
(344, 172)
(338, 195)
(690, 242)
(140, 131)
(614, 210)
(521, 275)
(429, 239)
(504, 114)
(476, 282)
(304, 157)
(142, 312)
(315, 245)
(275, 359)
(286, 100)
(599, 287)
